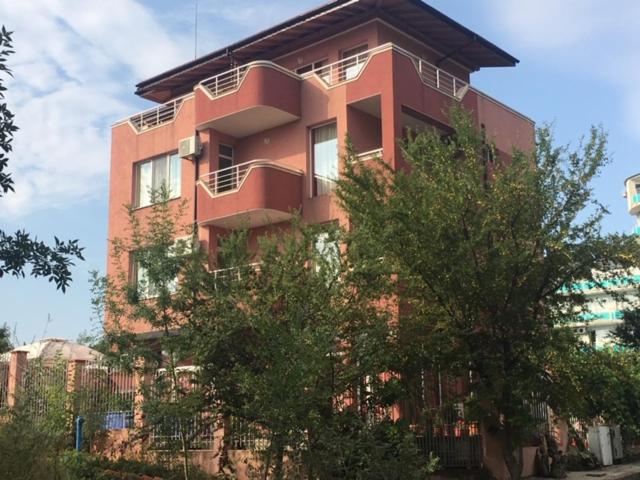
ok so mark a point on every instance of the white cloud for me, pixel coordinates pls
(583, 39)
(75, 66)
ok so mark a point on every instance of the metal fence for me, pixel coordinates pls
(242, 435)
(106, 395)
(43, 391)
(455, 441)
(4, 384)
(168, 430)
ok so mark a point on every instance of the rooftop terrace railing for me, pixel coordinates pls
(342, 71)
(349, 68)
(154, 117)
(225, 82)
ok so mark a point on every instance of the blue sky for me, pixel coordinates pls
(77, 63)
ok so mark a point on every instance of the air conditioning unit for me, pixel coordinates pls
(190, 147)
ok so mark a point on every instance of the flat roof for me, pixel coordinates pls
(415, 17)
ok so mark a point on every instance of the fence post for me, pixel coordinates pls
(74, 369)
(17, 367)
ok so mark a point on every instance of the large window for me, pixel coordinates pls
(152, 174)
(325, 158)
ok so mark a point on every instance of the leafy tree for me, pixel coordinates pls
(5, 339)
(161, 251)
(299, 349)
(627, 334)
(487, 248)
(20, 250)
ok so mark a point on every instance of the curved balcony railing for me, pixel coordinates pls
(231, 178)
(230, 81)
(157, 116)
(349, 69)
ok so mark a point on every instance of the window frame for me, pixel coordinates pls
(313, 66)
(312, 162)
(168, 180)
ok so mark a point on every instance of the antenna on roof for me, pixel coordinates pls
(195, 33)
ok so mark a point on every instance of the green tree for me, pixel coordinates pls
(20, 250)
(298, 349)
(162, 296)
(5, 339)
(487, 248)
(627, 334)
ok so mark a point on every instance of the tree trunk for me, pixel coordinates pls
(512, 453)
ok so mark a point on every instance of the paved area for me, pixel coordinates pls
(627, 471)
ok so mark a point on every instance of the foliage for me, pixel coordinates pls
(297, 347)
(175, 398)
(627, 333)
(5, 339)
(487, 247)
(84, 466)
(19, 250)
(609, 386)
(36, 431)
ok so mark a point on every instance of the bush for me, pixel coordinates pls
(85, 466)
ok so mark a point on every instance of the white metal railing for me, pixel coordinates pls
(227, 179)
(231, 178)
(343, 70)
(225, 82)
(156, 116)
(370, 155)
(349, 68)
(235, 273)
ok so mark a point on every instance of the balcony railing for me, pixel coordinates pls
(231, 178)
(343, 70)
(228, 179)
(370, 155)
(157, 116)
(225, 82)
(349, 68)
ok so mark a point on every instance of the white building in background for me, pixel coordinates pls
(605, 311)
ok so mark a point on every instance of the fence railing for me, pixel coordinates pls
(243, 435)
(43, 388)
(197, 430)
(107, 394)
(457, 445)
(154, 117)
(4, 384)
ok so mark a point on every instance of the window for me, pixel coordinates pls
(329, 250)
(228, 179)
(152, 174)
(351, 68)
(181, 247)
(325, 158)
(311, 67)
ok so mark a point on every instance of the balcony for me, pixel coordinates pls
(349, 69)
(248, 99)
(250, 194)
(157, 116)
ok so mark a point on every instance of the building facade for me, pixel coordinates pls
(256, 130)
